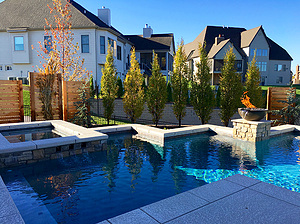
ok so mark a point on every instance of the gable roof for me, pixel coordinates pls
(248, 36)
(216, 48)
(239, 37)
(155, 42)
(31, 14)
(208, 35)
(277, 52)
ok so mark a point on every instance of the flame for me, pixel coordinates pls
(246, 100)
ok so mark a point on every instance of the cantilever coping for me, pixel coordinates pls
(16, 126)
(157, 135)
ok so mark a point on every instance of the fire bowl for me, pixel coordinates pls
(252, 114)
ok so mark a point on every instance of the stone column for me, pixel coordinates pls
(251, 130)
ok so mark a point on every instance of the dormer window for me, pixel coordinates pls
(19, 43)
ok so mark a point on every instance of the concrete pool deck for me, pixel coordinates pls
(236, 199)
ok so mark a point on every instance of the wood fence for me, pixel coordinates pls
(35, 102)
(11, 101)
(274, 95)
(70, 96)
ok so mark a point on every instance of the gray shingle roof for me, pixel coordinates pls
(239, 37)
(31, 14)
(155, 42)
(248, 35)
(216, 48)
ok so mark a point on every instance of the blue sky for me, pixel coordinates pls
(186, 19)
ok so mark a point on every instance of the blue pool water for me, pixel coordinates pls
(132, 173)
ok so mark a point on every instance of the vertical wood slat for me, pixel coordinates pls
(56, 101)
(70, 88)
(59, 87)
(32, 95)
(65, 100)
(268, 103)
(21, 104)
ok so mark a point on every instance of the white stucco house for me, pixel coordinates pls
(22, 26)
(273, 61)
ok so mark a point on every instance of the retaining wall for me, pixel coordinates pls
(168, 115)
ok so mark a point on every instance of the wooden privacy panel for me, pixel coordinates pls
(70, 96)
(11, 101)
(36, 104)
(276, 94)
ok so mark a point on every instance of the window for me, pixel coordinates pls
(102, 44)
(48, 43)
(264, 52)
(252, 52)
(279, 68)
(119, 53)
(111, 42)
(191, 66)
(279, 80)
(85, 48)
(276, 67)
(264, 66)
(8, 67)
(258, 52)
(284, 68)
(238, 65)
(19, 43)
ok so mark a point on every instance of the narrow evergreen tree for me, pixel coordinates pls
(180, 83)
(202, 96)
(83, 116)
(134, 94)
(231, 88)
(109, 86)
(169, 93)
(156, 95)
(120, 88)
(92, 88)
(252, 84)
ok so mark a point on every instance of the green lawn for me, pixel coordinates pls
(265, 89)
(26, 97)
(103, 121)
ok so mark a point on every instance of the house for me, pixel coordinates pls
(296, 78)
(273, 61)
(162, 44)
(22, 26)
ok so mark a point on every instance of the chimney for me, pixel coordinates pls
(104, 15)
(147, 31)
(218, 39)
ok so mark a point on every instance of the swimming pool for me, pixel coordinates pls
(133, 173)
(31, 134)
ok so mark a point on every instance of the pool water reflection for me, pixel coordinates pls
(132, 173)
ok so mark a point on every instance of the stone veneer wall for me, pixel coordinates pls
(251, 130)
(37, 155)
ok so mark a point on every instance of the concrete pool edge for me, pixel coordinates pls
(235, 199)
(159, 136)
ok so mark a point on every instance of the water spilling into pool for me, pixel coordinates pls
(131, 173)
